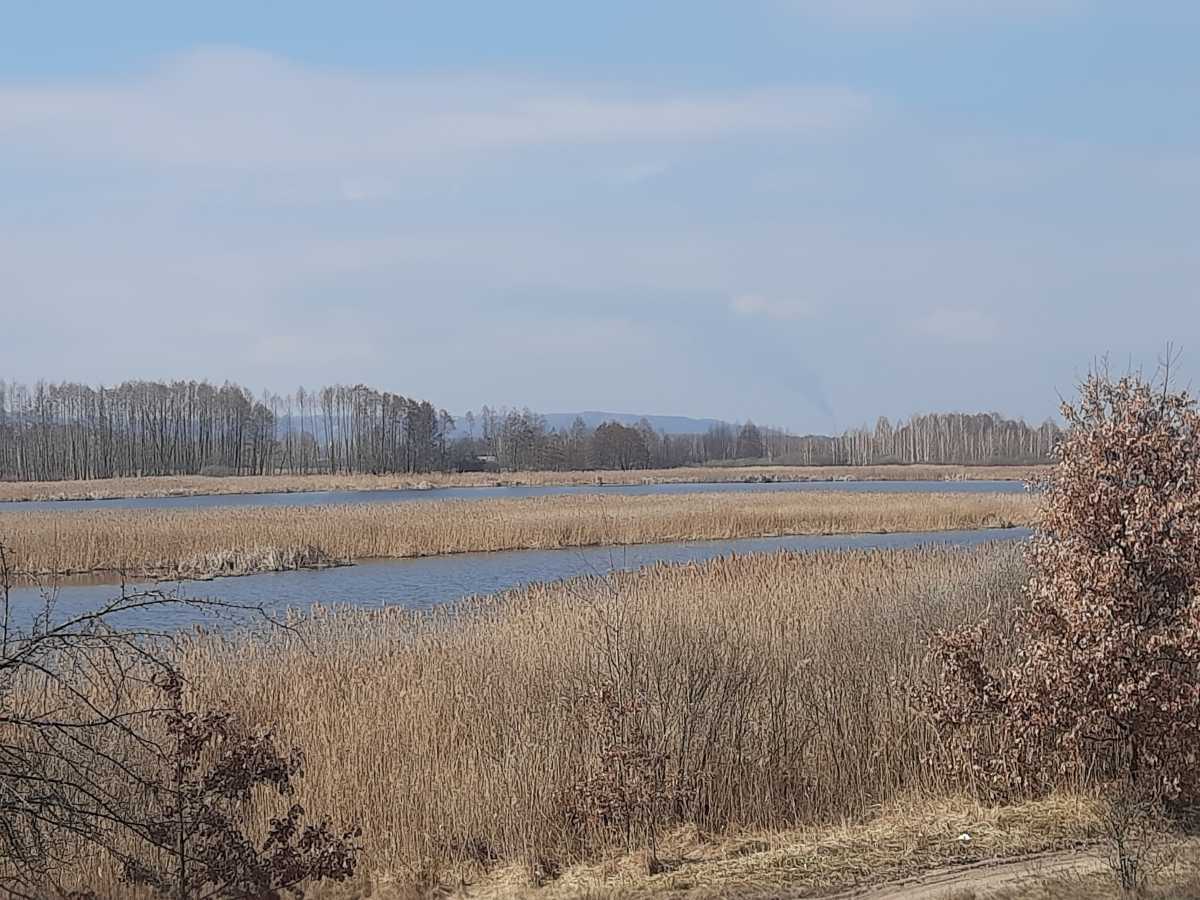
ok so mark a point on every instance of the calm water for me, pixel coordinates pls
(320, 498)
(422, 583)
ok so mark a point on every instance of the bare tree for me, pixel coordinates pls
(72, 431)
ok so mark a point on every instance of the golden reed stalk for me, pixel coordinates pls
(774, 684)
(201, 542)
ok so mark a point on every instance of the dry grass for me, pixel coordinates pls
(772, 684)
(201, 542)
(464, 742)
(903, 839)
(193, 485)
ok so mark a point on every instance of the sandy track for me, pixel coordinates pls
(976, 880)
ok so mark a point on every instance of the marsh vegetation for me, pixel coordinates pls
(575, 719)
(503, 742)
(206, 542)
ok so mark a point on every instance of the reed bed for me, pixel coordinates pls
(196, 485)
(771, 687)
(208, 542)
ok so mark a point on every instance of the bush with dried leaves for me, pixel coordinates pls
(105, 767)
(1106, 678)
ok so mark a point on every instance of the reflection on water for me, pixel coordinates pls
(421, 583)
(319, 498)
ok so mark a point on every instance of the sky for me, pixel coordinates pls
(805, 212)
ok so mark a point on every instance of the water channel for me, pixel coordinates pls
(422, 583)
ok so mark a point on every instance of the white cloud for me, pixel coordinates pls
(780, 310)
(221, 107)
(958, 326)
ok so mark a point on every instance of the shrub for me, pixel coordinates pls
(1107, 677)
(193, 840)
(105, 770)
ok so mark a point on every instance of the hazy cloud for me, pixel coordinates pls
(637, 173)
(319, 348)
(728, 236)
(958, 326)
(781, 310)
(222, 107)
(904, 12)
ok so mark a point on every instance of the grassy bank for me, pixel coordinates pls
(195, 485)
(901, 841)
(764, 696)
(202, 542)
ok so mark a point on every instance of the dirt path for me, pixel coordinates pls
(979, 880)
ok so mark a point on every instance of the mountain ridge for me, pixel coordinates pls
(562, 421)
(668, 424)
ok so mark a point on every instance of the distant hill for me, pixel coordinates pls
(592, 418)
(555, 421)
(666, 424)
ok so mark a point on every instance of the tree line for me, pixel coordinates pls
(937, 438)
(70, 431)
(520, 439)
(52, 432)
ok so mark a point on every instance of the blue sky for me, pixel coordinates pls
(807, 212)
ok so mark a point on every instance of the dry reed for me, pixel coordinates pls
(195, 485)
(203, 542)
(772, 686)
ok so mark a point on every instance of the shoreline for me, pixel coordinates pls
(169, 486)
